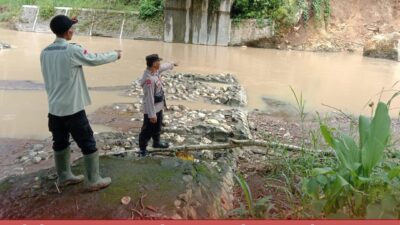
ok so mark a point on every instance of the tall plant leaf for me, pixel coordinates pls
(333, 193)
(347, 151)
(247, 193)
(327, 134)
(372, 151)
(364, 125)
(350, 152)
(393, 97)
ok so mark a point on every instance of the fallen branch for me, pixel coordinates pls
(232, 144)
(172, 130)
(58, 189)
(137, 212)
(141, 202)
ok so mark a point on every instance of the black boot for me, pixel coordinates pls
(160, 144)
(157, 143)
(144, 153)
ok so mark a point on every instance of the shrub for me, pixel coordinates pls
(150, 8)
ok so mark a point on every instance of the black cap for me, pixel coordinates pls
(61, 24)
(150, 59)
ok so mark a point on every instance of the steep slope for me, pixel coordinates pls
(352, 22)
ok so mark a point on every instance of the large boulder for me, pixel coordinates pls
(383, 46)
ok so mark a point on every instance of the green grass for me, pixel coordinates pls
(97, 4)
(150, 10)
(10, 9)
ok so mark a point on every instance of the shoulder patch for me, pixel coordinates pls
(148, 82)
(75, 44)
(55, 48)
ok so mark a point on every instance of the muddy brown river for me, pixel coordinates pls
(343, 80)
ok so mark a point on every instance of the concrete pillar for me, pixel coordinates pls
(188, 21)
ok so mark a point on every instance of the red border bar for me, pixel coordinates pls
(200, 222)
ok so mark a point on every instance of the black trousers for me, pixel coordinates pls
(76, 125)
(150, 130)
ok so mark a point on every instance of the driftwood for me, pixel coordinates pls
(232, 144)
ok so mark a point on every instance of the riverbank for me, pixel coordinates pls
(273, 154)
(271, 172)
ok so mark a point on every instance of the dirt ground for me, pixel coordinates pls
(262, 172)
(352, 22)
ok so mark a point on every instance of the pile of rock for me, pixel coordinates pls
(217, 89)
(35, 154)
(205, 127)
(116, 142)
(184, 126)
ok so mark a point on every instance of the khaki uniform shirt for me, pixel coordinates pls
(65, 83)
(152, 85)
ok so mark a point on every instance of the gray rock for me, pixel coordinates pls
(174, 108)
(37, 147)
(212, 121)
(227, 127)
(287, 135)
(219, 116)
(200, 129)
(37, 159)
(224, 99)
(178, 115)
(32, 154)
(179, 139)
(24, 159)
(207, 154)
(44, 155)
(118, 149)
(201, 115)
(205, 141)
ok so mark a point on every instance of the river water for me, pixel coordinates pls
(343, 80)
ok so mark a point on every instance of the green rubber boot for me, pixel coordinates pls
(63, 167)
(93, 181)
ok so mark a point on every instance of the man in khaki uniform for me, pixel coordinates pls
(68, 95)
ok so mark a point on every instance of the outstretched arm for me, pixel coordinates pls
(166, 66)
(81, 57)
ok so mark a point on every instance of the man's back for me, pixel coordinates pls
(68, 95)
(65, 83)
(64, 78)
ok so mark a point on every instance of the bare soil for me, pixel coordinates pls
(352, 22)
